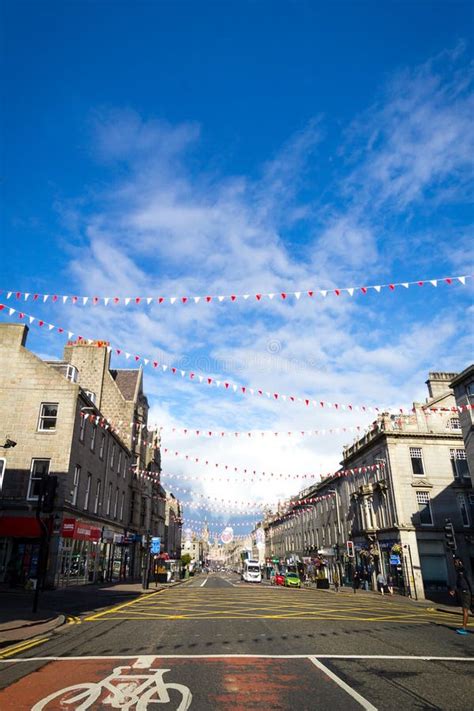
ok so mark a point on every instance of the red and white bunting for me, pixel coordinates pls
(223, 385)
(205, 522)
(255, 296)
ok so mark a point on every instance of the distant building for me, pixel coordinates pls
(173, 526)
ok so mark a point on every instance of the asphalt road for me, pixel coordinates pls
(230, 645)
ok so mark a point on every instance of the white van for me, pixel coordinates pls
(251, 572)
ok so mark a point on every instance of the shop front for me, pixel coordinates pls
(80, 558)
(19, 550)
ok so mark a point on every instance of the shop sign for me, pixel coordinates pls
(118, 538)
(155, 545)
(107, 534)
(85, 532)
(394, 560)
(68, 527)
(387, 545)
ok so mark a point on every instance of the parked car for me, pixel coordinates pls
(277, 579)
(292, 580)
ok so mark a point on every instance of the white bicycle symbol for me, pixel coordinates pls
(130, 691)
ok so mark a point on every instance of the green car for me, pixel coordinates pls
(292, 580)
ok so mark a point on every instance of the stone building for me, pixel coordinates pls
(463, 386)
(119, 396)
(45, 413)
(398, 484)
(173, 526)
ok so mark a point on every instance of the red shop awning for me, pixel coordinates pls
(19, 527)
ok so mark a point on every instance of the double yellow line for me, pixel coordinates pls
(21, 647)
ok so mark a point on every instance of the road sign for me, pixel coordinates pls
(155, 545)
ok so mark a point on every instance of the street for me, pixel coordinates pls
(217, 643)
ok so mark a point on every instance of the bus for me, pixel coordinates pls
(251, 571)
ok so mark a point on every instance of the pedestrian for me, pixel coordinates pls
(335, 580)
(355, 581)
(381, 583)
(390, 583)
(463, 589)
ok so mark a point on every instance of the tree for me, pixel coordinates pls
(185, 559)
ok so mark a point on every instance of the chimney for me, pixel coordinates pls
(92, 360)
(13, 334)
(439, 383)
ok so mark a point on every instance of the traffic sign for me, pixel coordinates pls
(155, 545)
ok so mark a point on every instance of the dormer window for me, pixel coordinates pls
(72, 373)
(90, 395)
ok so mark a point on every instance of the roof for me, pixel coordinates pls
(466, 374)
(126, 381)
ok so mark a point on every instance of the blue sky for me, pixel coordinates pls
(182, 148)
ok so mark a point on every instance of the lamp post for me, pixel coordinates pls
(338, 520)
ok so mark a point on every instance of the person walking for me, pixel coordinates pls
(390, 583)
(336, 581)
(463, 589)
(381, 583)
(355, 581)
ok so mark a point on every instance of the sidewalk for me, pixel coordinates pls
(18, 622)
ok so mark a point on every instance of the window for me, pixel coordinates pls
(109, 499)
(97, 496)
(75, 484)
(39, 469)
(48, 416)
(125, 466)
(88, 491)
(416, 461)
(119, 464)
(470, 499)
(424, 508)
(122, 502)
(90, 395)
(454, 423)
(463, 509)
(116, 502)
(459, 464)
(71, 373)
(82, 431)
(112, 456)
(102, 445)
(93, 436)
(3, 466)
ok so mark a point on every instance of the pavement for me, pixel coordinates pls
(218, 644)
(19, 623)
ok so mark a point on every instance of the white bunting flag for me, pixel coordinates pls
(64, 299)
(127, 300)
(31, 319)
(26, 297)
(85, 299)
(297, 294)
(323, 293)
(405, 284)
(45, 298)
(149, 300)
(70, 334)
(377, 289)
(197, 299)
(11, 312)
(221, 298)
(350, 292)
(462, 279)
(9, 293)
(172, 299)
(434, 282)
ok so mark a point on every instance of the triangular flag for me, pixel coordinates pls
(106, 300)
(85, 299)
(197, 299)
(70, 334)
(127, 300)
(149, 300)
(221, 298)
(462, 279)
(434, 282)
(9, 293)
(270, 296)
(172, 299)
(50, 326)
(31, 319)
(246, 296)
(297, 294)
(64, 299)
(377, 289)
(26, 297)
(323, 293)
(405, 284)
(165, 368)
(45, 297)
(350, 291)
(146, 361)
(11, 311)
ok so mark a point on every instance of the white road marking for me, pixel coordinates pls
(348, 689)
(202, 584)
(246, 656)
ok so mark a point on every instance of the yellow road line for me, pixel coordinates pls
(21, 647)
(119, 607)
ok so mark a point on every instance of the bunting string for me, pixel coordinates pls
(256, 297)
(213, 382)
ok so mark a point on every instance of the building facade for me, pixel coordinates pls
(398, 485)
(173, 527)
(463, 387)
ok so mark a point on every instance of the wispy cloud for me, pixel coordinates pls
(166, 224)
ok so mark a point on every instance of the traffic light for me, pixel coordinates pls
(50, 484)
(449, 535)
(350, 549)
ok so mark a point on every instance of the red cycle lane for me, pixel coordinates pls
(234, 683)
